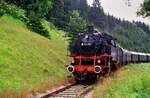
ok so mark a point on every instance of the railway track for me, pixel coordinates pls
(71, 91)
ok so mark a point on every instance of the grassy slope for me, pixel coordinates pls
(130, 82)
(27, 59)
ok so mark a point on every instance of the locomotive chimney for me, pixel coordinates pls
(91, 28)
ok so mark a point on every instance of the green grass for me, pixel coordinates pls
(131, 82)
(28, 60)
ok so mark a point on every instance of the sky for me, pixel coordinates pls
(120, 8)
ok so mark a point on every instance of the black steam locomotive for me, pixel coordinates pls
(94, 54)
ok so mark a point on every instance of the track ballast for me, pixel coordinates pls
(71, 91)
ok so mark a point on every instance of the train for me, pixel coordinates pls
(94, 54)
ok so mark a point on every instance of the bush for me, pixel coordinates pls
(12, 10)
(31, 19)
(35, 24)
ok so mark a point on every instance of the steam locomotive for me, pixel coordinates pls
(94, 54)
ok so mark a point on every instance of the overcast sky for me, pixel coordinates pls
(120, 8)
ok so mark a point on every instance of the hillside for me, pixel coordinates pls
(132, 81)
(135, 37)
(28, 60)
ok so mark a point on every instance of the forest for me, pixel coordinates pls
(73, 16)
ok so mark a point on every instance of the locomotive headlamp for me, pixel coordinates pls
(97, 69)
(99, 61)
(82, 44)
(70, 68)
(72, 61)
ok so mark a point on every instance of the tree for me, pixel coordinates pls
(145, 10)
(39, 7)
(57, 14)
(76, 24)
(143, 26)
(96, 15)
(35, 11)
(69, 15)
(82, 8)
